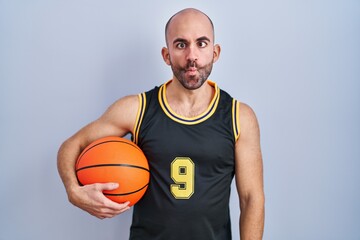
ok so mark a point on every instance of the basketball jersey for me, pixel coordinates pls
(191, 163)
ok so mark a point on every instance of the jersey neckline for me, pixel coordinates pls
(187, 120)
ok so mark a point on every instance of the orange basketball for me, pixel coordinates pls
(115, 159)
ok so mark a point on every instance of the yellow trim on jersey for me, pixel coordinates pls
(186, 120)
(139, 116)
(235, 119)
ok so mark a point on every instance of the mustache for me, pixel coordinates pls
(191, 64)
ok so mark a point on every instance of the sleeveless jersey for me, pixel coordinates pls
(191, 164)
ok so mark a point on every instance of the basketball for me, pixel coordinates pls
(118, 160)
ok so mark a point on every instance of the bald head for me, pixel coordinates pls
(187, 13)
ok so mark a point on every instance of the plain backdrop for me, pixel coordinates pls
(296, 63)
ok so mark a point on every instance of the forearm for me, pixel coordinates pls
(66, 159)
(252, 219)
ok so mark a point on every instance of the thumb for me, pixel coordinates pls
(108, 186)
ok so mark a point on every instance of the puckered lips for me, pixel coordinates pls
(191, 70)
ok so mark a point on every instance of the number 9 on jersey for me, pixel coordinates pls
(183, 175)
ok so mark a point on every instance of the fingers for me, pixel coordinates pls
(107, 208)
(111, 209)
(91, 199)
(106, 186)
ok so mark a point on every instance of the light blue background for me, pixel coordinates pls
(297, 63)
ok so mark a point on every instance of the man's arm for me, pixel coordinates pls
(118, 120)
(249, 176)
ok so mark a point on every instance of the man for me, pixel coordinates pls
(189, 130)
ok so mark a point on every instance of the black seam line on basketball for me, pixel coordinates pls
(106, 142)
(113, 165)
(122, 194)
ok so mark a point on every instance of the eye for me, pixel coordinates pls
(181, 45)
(202, 44)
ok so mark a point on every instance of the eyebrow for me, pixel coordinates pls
(203, 39)
(198, 39)
(179, 40)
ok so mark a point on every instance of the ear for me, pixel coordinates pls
(216, 54)
(165, 55)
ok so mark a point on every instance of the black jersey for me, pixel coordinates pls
(192, 165)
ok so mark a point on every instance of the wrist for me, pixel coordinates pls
(72, 192)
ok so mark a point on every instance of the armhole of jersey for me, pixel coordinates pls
(235, 119)
(139, 116)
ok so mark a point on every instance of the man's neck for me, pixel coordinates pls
(188, 103)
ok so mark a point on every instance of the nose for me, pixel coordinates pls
(192, 53)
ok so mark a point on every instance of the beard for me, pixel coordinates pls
(192, 82)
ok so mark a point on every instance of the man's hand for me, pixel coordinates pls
(91, 199)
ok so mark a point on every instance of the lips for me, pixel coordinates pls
(191, 69)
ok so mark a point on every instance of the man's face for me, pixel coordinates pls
(191, 51)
